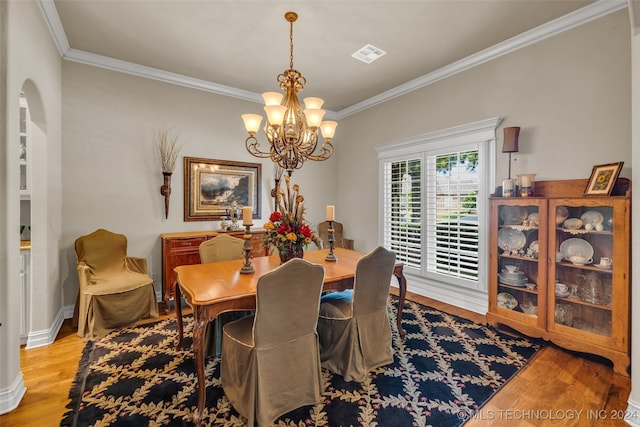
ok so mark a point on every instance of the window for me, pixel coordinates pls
(451, 230)
(403, 211)
(433, 189)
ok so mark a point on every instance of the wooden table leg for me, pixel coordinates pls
(398, 271)
(178, 304)
(199, 333)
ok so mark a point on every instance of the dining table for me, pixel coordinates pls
(218, 287)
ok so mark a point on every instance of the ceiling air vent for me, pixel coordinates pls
(368, 54)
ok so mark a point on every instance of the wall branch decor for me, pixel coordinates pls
(167, 142)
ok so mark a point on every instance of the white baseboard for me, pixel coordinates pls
(632, 414)
(469, 299)
(10, 397)
(47, 336)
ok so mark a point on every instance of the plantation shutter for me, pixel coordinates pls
(452, 186)
(402, 210)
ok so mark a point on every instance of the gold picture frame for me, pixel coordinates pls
(603, 179)
(211, 186)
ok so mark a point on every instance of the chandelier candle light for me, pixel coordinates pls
(292, 132)
(247, 221)
(331, 216)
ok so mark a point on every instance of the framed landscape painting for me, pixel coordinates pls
(212, 187)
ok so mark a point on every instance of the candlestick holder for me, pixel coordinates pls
(331, 257)
(247, 268)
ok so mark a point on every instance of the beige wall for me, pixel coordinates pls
(33, 65)
(111, 169)
(570, 94)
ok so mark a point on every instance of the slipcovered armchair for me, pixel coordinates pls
(353, 325)
(270, 362)
(339, 240)
(221, 248)
(115, 289)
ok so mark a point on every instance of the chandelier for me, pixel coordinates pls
(292, 132)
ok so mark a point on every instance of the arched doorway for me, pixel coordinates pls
(33, 195)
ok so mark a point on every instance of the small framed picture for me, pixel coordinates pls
(603, 178)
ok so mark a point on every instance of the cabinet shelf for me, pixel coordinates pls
(521, 258)
(582, 302)
(585, 267)
(519, 289)
(574, 322)
(582, 231)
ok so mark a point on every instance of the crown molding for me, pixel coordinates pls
(112, 64)
(588, 13)
(52, 19)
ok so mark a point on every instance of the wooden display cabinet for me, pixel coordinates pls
(184, 249)
(592, 315)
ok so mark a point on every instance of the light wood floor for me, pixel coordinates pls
(556, 388)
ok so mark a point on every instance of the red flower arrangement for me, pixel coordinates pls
(287, 230)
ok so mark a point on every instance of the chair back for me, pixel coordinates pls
(373, 273)
(323, 234)
(287, 302)
(103, 251)
(221, 248)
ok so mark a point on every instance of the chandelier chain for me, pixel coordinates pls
(291, 45)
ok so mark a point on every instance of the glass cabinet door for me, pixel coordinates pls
(520, 270)
(583, 265)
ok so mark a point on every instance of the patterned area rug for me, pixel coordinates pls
(443, 372)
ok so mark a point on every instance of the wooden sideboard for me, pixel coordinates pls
(183, 249)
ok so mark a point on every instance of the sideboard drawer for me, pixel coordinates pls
(184, 243)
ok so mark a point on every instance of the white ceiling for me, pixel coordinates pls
(238, 47)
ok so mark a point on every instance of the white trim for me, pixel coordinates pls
(10, 397)
(46, 336)
(470, 132)
(581, 16)
(468, 298)
(112, 64)
(632, 414)
(52, 19)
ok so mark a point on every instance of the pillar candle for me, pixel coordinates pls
(524, 181)
(247, 215)
(331, 213)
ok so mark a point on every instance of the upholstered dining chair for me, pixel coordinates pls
(221, 248)
(353, 325)
(115, 289)
(338, 235)
(270, 362)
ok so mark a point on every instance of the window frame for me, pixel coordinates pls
(481, 134)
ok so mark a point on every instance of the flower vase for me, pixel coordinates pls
(294, 253)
